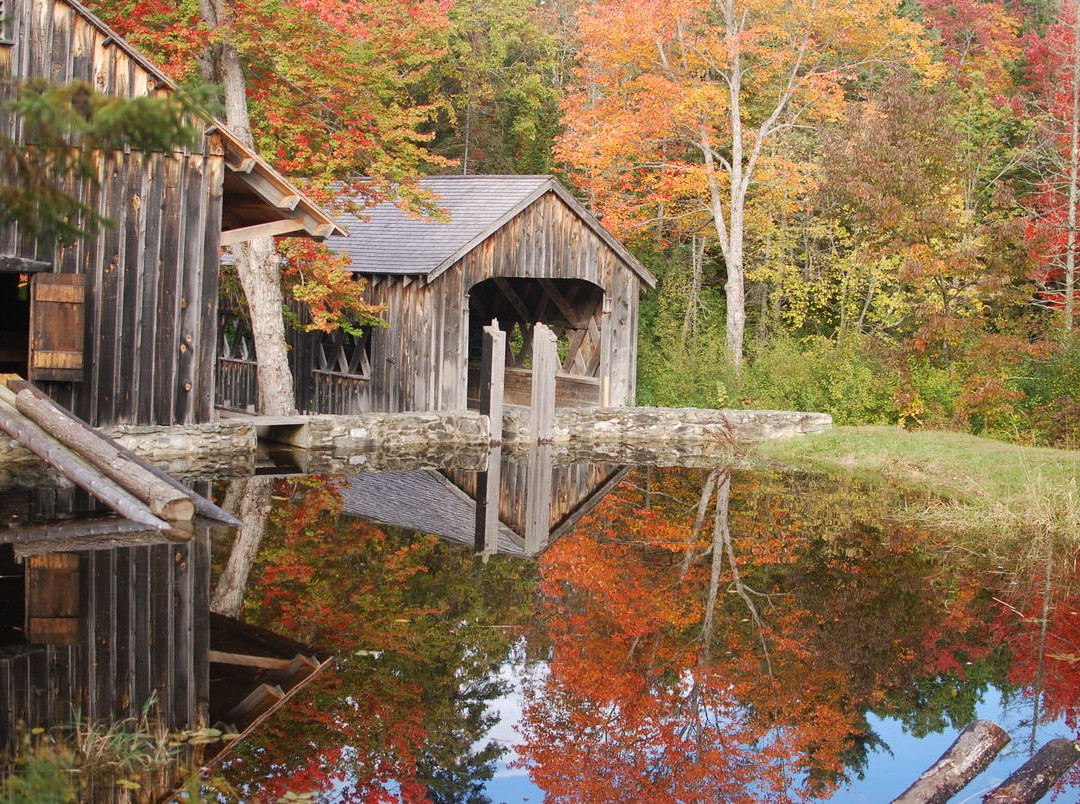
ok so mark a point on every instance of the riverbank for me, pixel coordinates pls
(984, 485)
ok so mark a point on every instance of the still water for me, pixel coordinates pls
(646, 634)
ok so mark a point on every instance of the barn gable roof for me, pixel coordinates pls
(265, 197)
(391, 242)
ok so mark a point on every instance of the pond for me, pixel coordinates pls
(634, 633)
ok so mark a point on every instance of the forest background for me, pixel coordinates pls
(852, 207)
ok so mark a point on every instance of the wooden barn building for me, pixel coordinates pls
(520, 249)
(123, 327)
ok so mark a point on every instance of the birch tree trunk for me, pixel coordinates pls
(257, 264)
(1074, 174)
(254, 509)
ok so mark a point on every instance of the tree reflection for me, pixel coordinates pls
(739, 662)
(417, 629)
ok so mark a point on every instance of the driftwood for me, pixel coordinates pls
(162, 499)
(969, 755)
(75, 469)
(203, 506)
(1032, 780)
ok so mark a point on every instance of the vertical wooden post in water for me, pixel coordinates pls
(493, 378)
(545, 363)
(488, 488)
(538, 498)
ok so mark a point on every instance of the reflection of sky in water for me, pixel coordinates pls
(888, 773)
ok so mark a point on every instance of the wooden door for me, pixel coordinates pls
(57, 319)
(52, 599)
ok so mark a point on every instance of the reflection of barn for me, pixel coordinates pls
(517, 248)
(105, 622)
(122, 327)
(445, 502)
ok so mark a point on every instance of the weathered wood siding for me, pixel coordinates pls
(420, 362)
(573, 488)
(142, 634)
(152, 279)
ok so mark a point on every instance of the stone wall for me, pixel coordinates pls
(225, 448)
(378, 441)
(392, 440)
(606, 427)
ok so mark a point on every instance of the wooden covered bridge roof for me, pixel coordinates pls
(422, 500)
(392, 242)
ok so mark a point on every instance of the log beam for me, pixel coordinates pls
(969, 755)
(1033, 780)
(75, 469)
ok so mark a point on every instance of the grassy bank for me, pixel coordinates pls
(986, 485)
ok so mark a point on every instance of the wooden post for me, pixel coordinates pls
(488, 488)
(493, 379)
(538, 498)
(969, 755)
(605, 352)
(545, 364)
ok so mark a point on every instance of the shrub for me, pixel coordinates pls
(843, 378)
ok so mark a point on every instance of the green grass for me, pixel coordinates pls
(985, 485)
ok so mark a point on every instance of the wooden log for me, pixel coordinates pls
(203, 506)
(75, 469)
(1033, 780)
(248, 660)
(162, 499)
(969, 755)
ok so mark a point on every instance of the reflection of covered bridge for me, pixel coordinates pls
(517, 248)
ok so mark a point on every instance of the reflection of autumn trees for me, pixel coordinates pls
(1038, 622)
(736, 656)
(415, 625)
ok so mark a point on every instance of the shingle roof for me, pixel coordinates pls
(392, 242)
(421, 500)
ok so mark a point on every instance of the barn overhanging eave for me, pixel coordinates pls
(287, 210)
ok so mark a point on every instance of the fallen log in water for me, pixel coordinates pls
(161, 498)
(1032, 780)
(203, 506)
(75, 469)
(969, 755)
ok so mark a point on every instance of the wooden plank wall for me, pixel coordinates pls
(571, 486)
(421, 361)
(152, 278)
(143, 633)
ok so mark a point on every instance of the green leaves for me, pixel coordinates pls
(45, 176)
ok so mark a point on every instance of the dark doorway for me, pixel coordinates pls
(14, 323)
(572, 308)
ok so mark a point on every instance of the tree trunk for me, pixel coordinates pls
(257, 263)
(255, 494)
(1034, 778)
(969, 755)
(1074, 174)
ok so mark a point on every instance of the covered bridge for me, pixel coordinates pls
(122, 327)
(520, 249)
